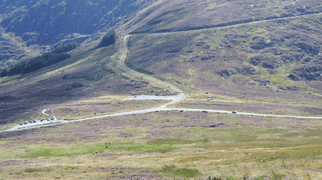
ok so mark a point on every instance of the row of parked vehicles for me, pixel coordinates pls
(35, 121)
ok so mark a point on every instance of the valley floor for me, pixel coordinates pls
(184, 144)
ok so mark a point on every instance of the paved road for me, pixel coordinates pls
(174, 99)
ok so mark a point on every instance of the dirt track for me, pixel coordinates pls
(174, 99)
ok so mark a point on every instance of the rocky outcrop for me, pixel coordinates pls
(260, 43)
(291, 88)
(246, 70)
(310, 73)
(293, 77)
(225, 73)
(308, 48)
(264, 61)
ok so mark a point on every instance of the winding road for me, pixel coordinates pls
(174, 99)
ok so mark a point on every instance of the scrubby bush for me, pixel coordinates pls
(33, 64)
(108, 39)
(66, 47)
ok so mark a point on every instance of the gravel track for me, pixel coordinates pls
(174, 99)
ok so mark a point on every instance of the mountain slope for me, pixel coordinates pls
(250, 62)
(168, 15)
(222, 56)
(44, 24)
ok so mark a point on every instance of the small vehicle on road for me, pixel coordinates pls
(234, 112)
(20, 124)
(34, 121)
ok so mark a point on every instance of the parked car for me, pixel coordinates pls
(30, 121)
(20, 124)
(48, 119)
(41, 120)
(26, 122)
(34, 121)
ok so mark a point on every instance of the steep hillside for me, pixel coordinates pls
(181, 15)
(277, 62)
(37, 26)
(88, 83)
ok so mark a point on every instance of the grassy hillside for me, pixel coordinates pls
(91, 75)
(182, 15)
(274, 63)
(225, 55)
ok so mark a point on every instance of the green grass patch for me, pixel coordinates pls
(304, 133)
(31, 170)
(70, 168)
(181, 172)
(61, 151)
(100, 148)
(138, 147)
(243, 138)
(289, 153)
(260, 178)
(161, 141)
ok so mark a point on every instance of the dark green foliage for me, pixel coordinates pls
(33, 64)
(66, 47)
(108, 39)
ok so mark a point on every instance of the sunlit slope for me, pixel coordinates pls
(168, 15)
(276, 62)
